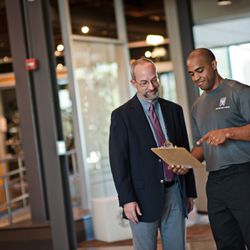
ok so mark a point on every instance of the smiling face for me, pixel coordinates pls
(146, 81)
(203, 71)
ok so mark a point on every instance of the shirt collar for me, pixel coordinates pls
(146, 104)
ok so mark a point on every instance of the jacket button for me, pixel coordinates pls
(159, 160)
(161, 181)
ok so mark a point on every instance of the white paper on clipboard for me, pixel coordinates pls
(177, 156)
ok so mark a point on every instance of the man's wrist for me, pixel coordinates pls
(230, 133)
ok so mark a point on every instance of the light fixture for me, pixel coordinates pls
(59, 66)
(6, 59)
(158, 52)
(224, 2)
(60, 47)
(155, 18)
(85, 29)
(154, 39)
(147, 54)
(57, 53)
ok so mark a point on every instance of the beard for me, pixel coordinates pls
(151, 95)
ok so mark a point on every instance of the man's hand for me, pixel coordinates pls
(179, 169)
(190, 204)
(131, 210)
(215, 137)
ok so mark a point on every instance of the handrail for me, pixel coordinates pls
(12, 182)
(13, 172)
(18, 176)
(9, 158)
(19, 198)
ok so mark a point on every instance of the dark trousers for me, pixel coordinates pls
(228, 193)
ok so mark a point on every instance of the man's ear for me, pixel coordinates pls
(133, 82)
(214, 64)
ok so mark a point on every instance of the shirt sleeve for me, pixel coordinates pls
(195, 129)
(244, 102)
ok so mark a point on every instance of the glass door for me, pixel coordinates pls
(98, 72)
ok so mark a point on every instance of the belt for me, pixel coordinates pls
(168, 184)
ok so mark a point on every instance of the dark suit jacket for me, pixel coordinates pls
(136, 170)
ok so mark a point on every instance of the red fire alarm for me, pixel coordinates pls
(31, 64)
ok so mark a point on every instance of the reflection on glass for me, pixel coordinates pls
(96, 73)
(240, 62)
(168, 85)
(223, 61)
(234, 62)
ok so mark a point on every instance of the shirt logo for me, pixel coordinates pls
(222, 104)
(222, 101)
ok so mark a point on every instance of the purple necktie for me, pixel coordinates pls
(160, 138)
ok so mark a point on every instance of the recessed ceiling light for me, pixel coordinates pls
(224, 2)
(155, 18)
(159, 52)
(59, 66)
(154, 39)
(57, 53)
(147, 54)
(60, 47)
(85, 29)
(6, 59)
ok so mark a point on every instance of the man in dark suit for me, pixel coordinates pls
(149, 198)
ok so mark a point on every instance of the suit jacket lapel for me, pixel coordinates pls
(141, 120)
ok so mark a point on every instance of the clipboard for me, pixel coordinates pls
(177, 156)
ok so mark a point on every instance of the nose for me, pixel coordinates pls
(151, 85)
(196, 77)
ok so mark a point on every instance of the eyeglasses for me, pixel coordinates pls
(145, 84)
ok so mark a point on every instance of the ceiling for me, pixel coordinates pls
(222, 33)
(99, 16)
(144, 17)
